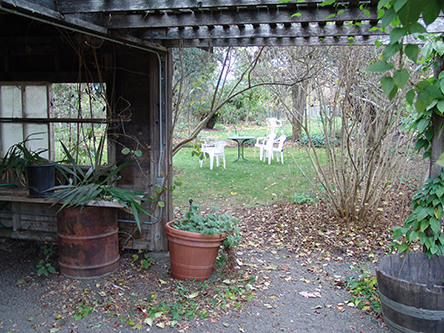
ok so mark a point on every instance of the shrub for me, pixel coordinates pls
(318, 140)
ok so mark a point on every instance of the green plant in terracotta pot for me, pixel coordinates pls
(195, 239)
(29, 168)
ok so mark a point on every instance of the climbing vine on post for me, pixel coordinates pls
(407, 22)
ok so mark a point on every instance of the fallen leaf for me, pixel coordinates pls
(148, 321)
(192, 295)
(309, 295)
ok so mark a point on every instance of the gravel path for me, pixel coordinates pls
(293, 293)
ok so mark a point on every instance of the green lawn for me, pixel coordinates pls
(241, 184)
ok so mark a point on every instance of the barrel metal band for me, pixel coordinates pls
(412, 311)
(396, 328)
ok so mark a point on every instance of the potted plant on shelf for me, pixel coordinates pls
(29, 168)
(87, 219)
(195, 239)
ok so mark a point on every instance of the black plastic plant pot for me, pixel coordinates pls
(40, 179)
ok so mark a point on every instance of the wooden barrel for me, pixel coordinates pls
(88, 241)
(411, 290)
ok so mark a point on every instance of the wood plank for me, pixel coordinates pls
(288, 41)
(73, 23)
(266, 31)
(136, 21)
(21, 197)
(81, 6)
(28, 235)
(63, 120)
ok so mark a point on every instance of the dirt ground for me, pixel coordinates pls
(290, 277)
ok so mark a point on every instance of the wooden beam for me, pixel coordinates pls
(265, 31)
(196, 19)
(29, 235)
(63, 120)
(285, 41)
(98, 6)
(47, 15)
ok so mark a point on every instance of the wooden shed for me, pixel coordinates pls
(36, 55)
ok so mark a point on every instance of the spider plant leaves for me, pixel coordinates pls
(96, 184)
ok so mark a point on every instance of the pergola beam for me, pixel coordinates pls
(161, 24)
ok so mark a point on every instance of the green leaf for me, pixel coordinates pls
(431, 11)
(388, 17)
(422, 214)
(439, 47)
(410, 96)
(427, 49)
(413, 235)
(397, 34)
(379, 67)
(440, 161)
(424, 225)
(410, 11)
(327, 3)
(399, 4)
(390, 50)
(441, 84)
(435, 225)
(440, 106)
(417, 28)
(397, 234)
(401, 77)
(422, 101)
(382, 3)
(388, 85)
(434, 91)
(422, 125)
(403, 247)
(412, 51)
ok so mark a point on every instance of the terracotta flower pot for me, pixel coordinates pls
(192, 255)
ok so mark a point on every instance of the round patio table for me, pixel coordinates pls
(240, 145)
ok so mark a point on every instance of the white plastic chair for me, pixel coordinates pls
(275, 146)
(273, 124)
(261, 142)
(214, 149)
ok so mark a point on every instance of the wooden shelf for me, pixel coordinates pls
(21, 195)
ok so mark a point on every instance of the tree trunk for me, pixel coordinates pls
(438, 138)
(212, 121)
(299, 97)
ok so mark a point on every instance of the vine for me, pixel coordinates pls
(426, 99)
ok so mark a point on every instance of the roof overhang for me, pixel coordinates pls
(162, 24)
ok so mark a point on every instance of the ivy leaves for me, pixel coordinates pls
(423, 224)
(426, 96)
(403, 16)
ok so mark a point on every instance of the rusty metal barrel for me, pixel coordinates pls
(88, 241)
